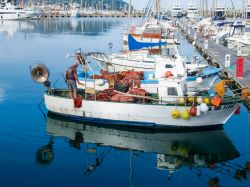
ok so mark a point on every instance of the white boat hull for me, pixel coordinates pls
(136, 114)
(15, 16)
(139, 64)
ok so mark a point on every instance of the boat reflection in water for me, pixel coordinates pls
(198, 150)
(10, 27)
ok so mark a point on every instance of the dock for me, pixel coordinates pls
(215, 55)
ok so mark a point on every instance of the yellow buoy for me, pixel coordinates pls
(207, 101)
(175, 114)
(185, 114)
(190, 99)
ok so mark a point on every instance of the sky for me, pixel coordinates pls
(167, 4)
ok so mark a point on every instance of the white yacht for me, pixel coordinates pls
(8, 11)
(75, 10)
(177, 10)
(219, 12)
(192, 11)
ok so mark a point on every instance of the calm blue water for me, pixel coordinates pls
(85, 155)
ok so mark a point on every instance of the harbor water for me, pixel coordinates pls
(41, 150)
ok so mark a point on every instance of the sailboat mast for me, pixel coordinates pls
(156, 7)
(213, 8)
(129, 14)
(244, 9)
(202, 7)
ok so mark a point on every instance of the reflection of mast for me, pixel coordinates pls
(93, 158)
(131, 175)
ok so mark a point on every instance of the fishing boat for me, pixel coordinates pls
(169, 108)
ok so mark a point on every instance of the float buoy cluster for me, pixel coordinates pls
(199, 105)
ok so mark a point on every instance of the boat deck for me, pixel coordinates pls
(151, 99)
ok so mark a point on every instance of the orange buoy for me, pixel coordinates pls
(216, 101)
(168, 74)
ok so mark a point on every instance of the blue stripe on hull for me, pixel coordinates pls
(107, 122)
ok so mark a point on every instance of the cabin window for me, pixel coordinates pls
(168, 66)
(172, 91)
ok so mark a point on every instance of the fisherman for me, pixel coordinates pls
(72, 79)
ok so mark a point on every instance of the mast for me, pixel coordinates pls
(202, 7)
(129, 14)
(214, 6)
(244, 12)
(156, 7)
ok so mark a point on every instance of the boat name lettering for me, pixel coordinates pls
(226, 107)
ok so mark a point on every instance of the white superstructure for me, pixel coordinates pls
(177, 10)
(192, 11)
(12, 12)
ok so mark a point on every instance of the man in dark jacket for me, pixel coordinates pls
(72, 79)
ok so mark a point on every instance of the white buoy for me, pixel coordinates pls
(199, 80)
(227, 60)
(204, 107)
(195, 36)
(238, 50)
(206, 44)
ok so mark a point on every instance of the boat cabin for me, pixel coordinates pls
(172, 88)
